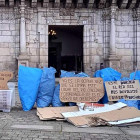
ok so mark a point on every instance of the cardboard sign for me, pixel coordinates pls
(129, 90)
(5, 76)
(77, 89)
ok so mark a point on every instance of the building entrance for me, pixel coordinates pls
(66, 48)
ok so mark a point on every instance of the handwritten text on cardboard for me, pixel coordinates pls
(76, 89)
(129, 90)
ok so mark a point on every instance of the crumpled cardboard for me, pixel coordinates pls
(104, 118)
(106, 108)
(54, 113)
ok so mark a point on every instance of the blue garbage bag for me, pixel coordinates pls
(124, 79)
(107, 74)
(137, 76)
(28, 83)
(131, 103)
(134, 103)
(67, 74)
(56, 100)
(46, 88)
(81, 74)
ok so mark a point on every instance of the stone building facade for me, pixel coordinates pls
(111, 32)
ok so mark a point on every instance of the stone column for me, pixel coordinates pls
(136, 18)
(23, 58)
(113, 60)
(22, 31)
(112, 42)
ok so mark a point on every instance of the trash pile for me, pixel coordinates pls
(105, 99)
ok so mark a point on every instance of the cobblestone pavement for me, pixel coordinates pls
(20, 125)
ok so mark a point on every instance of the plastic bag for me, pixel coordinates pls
(56, 100)
(67, 74)
(28, 83)
(46, 88)
(107, 74)
(81, 74)
(131, 103)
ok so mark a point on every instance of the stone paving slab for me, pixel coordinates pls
(96, 130)
(33, 127)
(20, 125)
(131, 131)
(2, 125)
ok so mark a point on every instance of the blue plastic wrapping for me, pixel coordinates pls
(28, 83)
(46, 88)
(131, 103)
(67, 74)
(81, 74)
(137, 76)
(56, 100)
(107, 74)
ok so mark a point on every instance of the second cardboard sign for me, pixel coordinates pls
(129, 90)
(77, 89)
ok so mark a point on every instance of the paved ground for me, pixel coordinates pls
(21, 125)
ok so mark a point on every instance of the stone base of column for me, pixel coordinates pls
(23, 60)
(113, 61)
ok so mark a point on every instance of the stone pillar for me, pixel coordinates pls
(23, 58)
(112, 42)
(113, 60)
(22, 31)
(136, 18)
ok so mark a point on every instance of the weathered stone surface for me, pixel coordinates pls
(32, 64)
(43, 52)
(34, 59)
(33, 51)
(34, 127)
(13, 27)
(6, 39)
(97, 130)
(44, 59)
(4, 26)
(131, 131)
(4, 51)
(6, 33)
(124, 52)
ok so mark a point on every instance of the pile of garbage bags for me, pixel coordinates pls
(37, 85)
(109, 74)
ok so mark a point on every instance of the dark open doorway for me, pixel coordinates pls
(66, 48)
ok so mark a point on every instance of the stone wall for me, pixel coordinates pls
(96, 36)
(8, 40)
(127, 39)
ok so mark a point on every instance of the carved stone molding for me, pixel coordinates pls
(66, 12)
(136, 14)
(25, 12)
(110, 13)
(7, 16)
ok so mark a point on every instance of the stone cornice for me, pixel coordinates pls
(136, 13)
